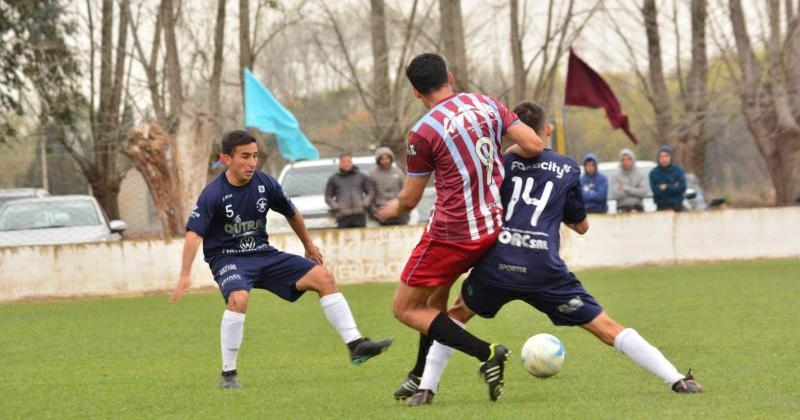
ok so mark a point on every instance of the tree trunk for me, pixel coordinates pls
(193, 141)
(216, 72)
(245, 52)
(661, 103)
(172, 65)
(386, 120)
(767, 109)
(452, 34)
(690, 149)
(518, 93)
(151, 149)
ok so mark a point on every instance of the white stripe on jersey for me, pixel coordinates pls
(496, 135)
(493, 188)
(462, 170)
(479, 168)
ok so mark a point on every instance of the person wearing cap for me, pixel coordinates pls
(629, 185)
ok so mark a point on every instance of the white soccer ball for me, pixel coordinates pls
(543, 355)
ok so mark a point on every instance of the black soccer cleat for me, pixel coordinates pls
(493, 368)
(687, 385)
(364, 349)
(421, 397)
(228, 380)
(408, 387)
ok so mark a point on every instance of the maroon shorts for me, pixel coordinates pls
(434, 262)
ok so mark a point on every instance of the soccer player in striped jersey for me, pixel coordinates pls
(457, 141)
(539, 195)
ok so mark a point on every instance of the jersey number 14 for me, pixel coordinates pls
(518, 193)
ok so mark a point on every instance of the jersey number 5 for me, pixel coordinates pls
(540, 203)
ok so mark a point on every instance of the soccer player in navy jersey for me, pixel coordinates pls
(457, 142)
(539, 194)
(230, 220)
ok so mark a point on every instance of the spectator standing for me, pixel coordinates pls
(668, 182)
(594, 186)
(387, 180)
(629, 185)
(349, 193)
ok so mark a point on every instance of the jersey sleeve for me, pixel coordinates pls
(278, 200)
(507, 116)
(202, 214)
(419, 159)
(574, 209)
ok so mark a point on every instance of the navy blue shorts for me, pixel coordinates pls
(566, 303)
(275, 271)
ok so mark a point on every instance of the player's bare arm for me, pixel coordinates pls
(580, 227)
(299, 227)
(190, 246)
(409, 197)
(526, 142)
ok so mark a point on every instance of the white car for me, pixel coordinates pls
(609, 169)
(66, 219)
(8, 194)
(304, 182)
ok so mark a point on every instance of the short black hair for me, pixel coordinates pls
(234, 138)
(427, 72)
(532, 115)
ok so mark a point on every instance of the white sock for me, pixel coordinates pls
(338, 313)
(631, 344)
(435, 363)
(231, 332)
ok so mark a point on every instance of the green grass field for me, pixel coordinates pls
(735, 324)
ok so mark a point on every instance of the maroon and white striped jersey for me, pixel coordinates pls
(458, 140)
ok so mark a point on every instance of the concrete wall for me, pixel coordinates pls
(361, 255)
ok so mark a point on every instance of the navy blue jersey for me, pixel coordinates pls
(232, 220)
(537, 195)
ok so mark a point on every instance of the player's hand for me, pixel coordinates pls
(389, 210)
(314, 254)
(183, 285)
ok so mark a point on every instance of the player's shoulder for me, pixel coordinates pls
(263, 178)
(213, 190)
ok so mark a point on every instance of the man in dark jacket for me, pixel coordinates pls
(594, 186)
(349, 193)
(668, 182)
(387, 180)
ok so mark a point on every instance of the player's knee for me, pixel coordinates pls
(325, 283)
(237, 301)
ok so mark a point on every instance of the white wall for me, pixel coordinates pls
(378, 254)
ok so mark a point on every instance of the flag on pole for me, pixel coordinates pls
(586, 88)
(264, 112)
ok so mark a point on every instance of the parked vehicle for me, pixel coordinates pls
(304, 182)
(66, 219)
(8, 194)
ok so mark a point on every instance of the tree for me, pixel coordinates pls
(93, 137)
(183, 130)
(452, 35)
(770, 96)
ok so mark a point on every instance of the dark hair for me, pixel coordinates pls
(532, 115)
(345, 154)
(427, 72)
(234, 138)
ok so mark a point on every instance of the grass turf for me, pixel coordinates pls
(736, 324)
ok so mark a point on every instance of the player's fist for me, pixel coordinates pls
(389, 210)
(183, 285)
(314, 254)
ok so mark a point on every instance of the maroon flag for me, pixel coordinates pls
(586, 88)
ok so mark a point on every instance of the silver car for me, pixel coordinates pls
(304, 182)
(67, 219)
(8, 194)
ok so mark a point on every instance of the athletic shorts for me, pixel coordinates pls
(275, 271)
(565, 303)
(434, 262)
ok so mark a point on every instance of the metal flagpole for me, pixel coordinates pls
(561, 118)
